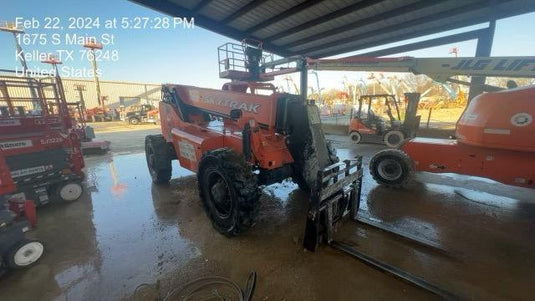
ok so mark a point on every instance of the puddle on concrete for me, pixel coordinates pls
(129, 242)
(126, 231)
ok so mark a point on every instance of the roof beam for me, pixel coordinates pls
(201, 5)
(243, 10)
(333, 15)
(460, 37)
(415, 34)
(288, 13)
(394, 27)
(498, 13)
(175, 10)
(411, 8)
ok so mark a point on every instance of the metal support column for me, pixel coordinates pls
(483, 49)
(303, 71)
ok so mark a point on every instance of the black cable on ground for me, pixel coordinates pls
(208, 288)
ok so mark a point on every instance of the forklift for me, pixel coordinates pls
(367, 125)
(140, 113)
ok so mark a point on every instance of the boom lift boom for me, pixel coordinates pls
(494, 134)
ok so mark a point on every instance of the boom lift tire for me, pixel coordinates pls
(393, 139)
(229, 191)
(158, 158)
(356, 137)
(392, 168)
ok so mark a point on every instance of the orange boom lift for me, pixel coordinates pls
(495, 136)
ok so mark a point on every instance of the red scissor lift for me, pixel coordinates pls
(41, 149)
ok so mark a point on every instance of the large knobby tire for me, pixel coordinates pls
(392, 168)
(393, 139)
(159, 159)
(297, 176)
(356, 137)
(25, 254)
(229, 191)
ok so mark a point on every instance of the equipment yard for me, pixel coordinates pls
(284, 150)
(125, 231)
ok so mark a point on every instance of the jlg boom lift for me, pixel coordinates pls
(495, 135)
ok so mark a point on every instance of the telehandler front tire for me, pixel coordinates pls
(229, 191)
(158, 158)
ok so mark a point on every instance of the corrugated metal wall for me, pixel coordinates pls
(114, 91)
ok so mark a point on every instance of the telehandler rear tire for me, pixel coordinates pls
(229, 191)
(158, 158)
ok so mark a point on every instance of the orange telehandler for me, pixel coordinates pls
(245, 136)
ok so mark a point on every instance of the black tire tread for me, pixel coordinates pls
(163, 160)
(244, 183)
(405, 159)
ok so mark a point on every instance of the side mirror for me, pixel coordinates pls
(235, 114)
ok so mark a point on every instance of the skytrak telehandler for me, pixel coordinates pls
(245, 136)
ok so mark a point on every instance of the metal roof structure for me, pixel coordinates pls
(323, 28)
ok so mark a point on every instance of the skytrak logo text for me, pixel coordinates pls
(248, 107)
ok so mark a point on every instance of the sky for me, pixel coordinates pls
(182, 55)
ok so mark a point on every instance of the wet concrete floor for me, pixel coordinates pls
(126, 231)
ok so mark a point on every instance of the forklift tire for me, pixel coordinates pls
(159, 159)
(133, 121)
(393, 139)
(68, 191)
(392, 168)
(229, 191)
(25, 254)
(356, 137)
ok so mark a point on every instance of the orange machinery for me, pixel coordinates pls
(495, 136)
(244, 136)
(495, 139)
(390, 128)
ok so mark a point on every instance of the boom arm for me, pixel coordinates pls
(439, 69)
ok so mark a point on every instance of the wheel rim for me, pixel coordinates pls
(133, 121)
(28, 253)
(70, 191)
(394, 139)
(219, 193)
(389, 169)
